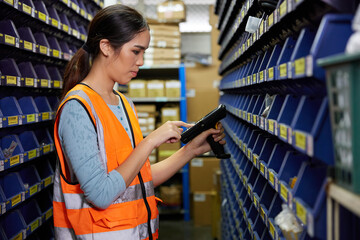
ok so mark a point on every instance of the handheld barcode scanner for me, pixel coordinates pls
(207, 122)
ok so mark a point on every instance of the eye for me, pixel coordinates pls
(136, 52)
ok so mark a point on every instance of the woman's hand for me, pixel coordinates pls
(169, 132)
(199, 145)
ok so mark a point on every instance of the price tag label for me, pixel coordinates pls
(45, 116)
(271, 73)
(11, 80)
(283, 70)
(42, 16)
(33, 189)
(271, 178)
(283, 131)
(284, 192)
(34, 225)
(9, 39)
(28, 45)
(300, 140)
(262, 168)
(11, 2)
(14, 160)
(43, 49)
(248, 80)
(254, 119)
(261, 30)
(283, 8)
(32, 154)
(300, 66)
(271, 20)
(46, 148)
(44, 82)
(301, 212)
(254, 78)
(47, 181)
(56, 53)
(13, 120)
(65, 27)
(29, 82)
(15, 200)
(56, 84)
(261, 76)
(249, 117)
(82, 12)
(48, 214)
(54, 22)
(255, 157)
(271, 125)
(74, 6)
(30, 118)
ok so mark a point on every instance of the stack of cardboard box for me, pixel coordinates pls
(154, 88)
(147, 116)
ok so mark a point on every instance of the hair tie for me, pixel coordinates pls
(85, 47)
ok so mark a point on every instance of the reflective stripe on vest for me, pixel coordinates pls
(126, 217)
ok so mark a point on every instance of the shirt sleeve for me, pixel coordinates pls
(79, 143)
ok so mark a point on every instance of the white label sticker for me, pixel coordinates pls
(197, 162)
(198, 197)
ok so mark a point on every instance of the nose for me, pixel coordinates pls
(140, 60)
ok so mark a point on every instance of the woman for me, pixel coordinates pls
(104, 184)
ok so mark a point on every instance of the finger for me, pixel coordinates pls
(182, 124)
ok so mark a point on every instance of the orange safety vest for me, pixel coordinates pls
(130, 215)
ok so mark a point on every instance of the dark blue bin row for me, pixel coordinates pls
(261, 161)
(36, 42)
(294, 58)
(24, 146)
(25, 74)
(51, 16)
(301, 121)
(16, 187)
(28, 217)
(27, 110)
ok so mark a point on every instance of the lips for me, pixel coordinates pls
(134, 73)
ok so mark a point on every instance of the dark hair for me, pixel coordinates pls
(117, 23)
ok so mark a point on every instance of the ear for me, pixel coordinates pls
(105, 47)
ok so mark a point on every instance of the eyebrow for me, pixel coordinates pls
(141, 47)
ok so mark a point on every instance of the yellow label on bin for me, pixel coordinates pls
(9, 39)
(261, 76)
(34, 225)
(271, 20)
(75, 32)
(242, 14)
(47, 181)
(248, 80)
(82, 12)
(271, 73)
(15, 200)
(43, 49)
(300, 66)
(32, 154)
(30, 118)
(54, 22)
(29, 82)
(255, 159)
(301, 212)
(42, 16)
(20, 235)
(261, 27)
(14, 160)
(255, 201)
(262, 168)
(46, 149)
(57, 83)
(254, 119)
(11, 2)
(249, 190)
(33, 189)
(11, 80)
(248, 153)
(65, 27)
(48, 214)
(271, 124)
(45, 115)
(262, 213)
(283, 70)
(283, 8)
(283, 131)
(254, 78)
(28, 45)
(13, 120)
(284, 192)
(65, 1)
(271, 178)
(56, 53)
(74, 6)
(249, 117)
(44, 82)
(271, 229)
(300, 140)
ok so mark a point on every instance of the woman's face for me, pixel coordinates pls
(126, 62)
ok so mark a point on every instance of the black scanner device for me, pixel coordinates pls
(207, 122)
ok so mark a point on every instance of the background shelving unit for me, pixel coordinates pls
(37, 39)
(279, 120)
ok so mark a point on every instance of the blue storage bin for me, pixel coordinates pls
(46, 173)
(31, 180)
(56, 77)
(44, 200)
(271, 65)
(30, 145)
(43, 75)
(251, 143)
(44, 107)
(7, 27)
(10, 72)
(13, 226)
(28, 7)
(82, 8)
(283, 64)
(262, 67)
(250, 108)
(31, 214)
(271, 123)
(274, 210)
(43, 44)
(29, 76)
(248, 73)
(45, 141)
(264, 156)
(83, 33)
(74, 28)
(12, 151)
(266, 199)
(256, 110)
(65, 50)
(11, 111)
(29, 110)
(13, 189)
(65, 24)
(54, 17)
(255, 71)
(55, 50)
(42, 13)
(46, 231)
(27, 40)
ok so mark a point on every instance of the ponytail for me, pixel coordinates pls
(76, 70)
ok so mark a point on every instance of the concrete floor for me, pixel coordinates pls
(181, 230)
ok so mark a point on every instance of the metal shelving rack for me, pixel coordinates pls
(37, 39)
(277, 144)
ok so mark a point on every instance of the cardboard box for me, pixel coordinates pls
(161, 29)
(137, 88)
(201, 174)
(165, 150)
(171, 195)
(169, 113)
(172, 88)
(160, 53)
(202, 205)
(165, 42)
(155, 88)
(144, 110)
(171, 11)
(161, 62)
